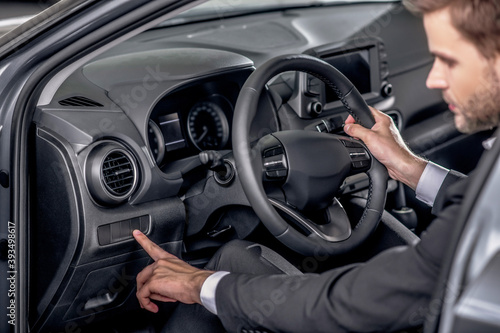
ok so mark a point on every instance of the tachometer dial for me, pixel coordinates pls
(156, 142)
(207, 126)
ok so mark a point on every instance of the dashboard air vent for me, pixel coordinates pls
(111, 173)
(118, 174)
(80, 101)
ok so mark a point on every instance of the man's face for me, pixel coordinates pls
(470, 82)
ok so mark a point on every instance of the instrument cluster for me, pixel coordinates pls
(192, 120)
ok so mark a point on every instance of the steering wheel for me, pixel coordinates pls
(306, 169)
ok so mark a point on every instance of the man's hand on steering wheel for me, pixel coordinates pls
(386, 144)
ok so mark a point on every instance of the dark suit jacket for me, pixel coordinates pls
(389, 292)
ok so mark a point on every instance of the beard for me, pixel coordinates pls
(482, 110)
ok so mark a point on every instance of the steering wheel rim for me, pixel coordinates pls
(247, 160)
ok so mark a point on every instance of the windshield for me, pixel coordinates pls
(223, 8)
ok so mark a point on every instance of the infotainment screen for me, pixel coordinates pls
(363, 60)
(356, 67)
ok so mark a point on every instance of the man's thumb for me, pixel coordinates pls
(355, 130)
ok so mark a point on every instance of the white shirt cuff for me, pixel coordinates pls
(207, 293)
(430, 182)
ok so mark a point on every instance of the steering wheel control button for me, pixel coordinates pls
(281, 173)
(274, 162)
(360, 164)
(351, 144)
(360, 159)
(273, 151)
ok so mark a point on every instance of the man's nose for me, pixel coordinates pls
(436, 78)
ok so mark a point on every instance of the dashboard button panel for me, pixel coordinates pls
(122, 230)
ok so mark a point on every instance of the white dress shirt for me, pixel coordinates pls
(430, 182)
(207, 293)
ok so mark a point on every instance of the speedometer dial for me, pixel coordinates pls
(208, 126)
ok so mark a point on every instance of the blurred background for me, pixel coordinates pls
(10, 8)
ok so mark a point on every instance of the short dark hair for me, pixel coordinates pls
(477, 20)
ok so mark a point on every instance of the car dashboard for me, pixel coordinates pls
(117, 148)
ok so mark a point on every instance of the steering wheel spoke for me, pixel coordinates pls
(359, 155)
(335, 228)
(274, 161)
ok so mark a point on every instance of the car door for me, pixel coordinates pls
(29, 55)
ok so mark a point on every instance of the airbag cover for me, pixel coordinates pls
(318, 164)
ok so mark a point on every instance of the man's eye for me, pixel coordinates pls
(449, 62)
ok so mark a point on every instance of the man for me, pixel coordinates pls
(389, 291)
